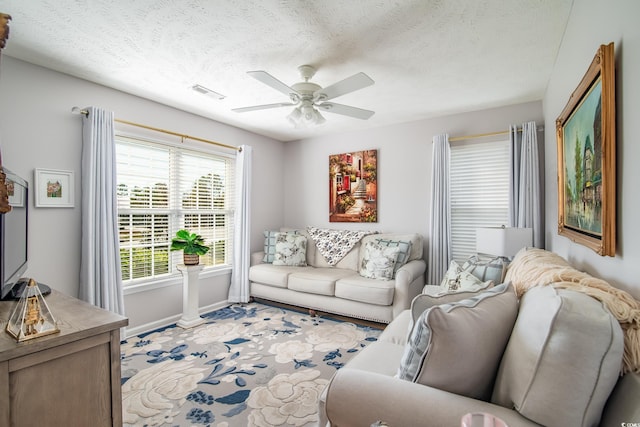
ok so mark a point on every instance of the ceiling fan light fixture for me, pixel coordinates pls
(294, 116)
(305, 116)
(319, 118)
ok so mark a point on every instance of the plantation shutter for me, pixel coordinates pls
(479, 192)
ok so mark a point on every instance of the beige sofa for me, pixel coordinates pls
(559, 365)
(340, 289)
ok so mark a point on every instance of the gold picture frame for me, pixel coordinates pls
(586, 144)
(353, 186)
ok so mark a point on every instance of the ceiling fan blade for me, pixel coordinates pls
(271, 81)
(263, 107)
(350, 84)
(346, 110)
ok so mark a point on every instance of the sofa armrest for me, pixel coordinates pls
(411, 271)
(257, 257)
(408, 283)
(401, 403)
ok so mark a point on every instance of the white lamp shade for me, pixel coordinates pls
(502, 241)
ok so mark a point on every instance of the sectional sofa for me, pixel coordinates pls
(553, 357)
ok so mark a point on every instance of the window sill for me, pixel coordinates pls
(172, 280)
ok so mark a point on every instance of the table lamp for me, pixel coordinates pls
(503, 242)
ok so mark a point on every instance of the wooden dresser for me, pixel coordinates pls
(71, 378)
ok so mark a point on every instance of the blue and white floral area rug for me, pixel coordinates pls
(248, 365)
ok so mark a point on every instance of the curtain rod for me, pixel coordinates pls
(77, 110)
(482, 135)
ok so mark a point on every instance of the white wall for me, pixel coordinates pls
(592, 23)
(39, 131)
(404, 167)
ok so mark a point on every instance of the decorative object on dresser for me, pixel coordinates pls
(31, 317)
(192, 246)
(586, 136)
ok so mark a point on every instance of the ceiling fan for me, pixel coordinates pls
(307, 97)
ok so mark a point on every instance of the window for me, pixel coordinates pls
(479, 192)
(162, 189)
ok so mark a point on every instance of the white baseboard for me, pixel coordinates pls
(148, 327)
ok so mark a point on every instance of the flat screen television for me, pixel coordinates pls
(13, 237)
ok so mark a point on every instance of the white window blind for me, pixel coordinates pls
(479, 192)
(162, 189)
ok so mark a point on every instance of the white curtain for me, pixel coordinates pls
(526, 201)
(100, 280)
(440, 222)
(239, 289)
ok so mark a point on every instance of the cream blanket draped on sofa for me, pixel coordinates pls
(526, 267)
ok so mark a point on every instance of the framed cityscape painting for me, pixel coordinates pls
(586, 139)
(353, 186)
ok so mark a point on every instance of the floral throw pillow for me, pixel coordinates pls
(459, 280)
(270, 245)
(378, 261)
(291, 250)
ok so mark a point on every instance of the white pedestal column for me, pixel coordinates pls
(190, 294)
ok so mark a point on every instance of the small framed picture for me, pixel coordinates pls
(54, 188)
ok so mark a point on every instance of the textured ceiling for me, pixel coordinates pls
(428, 58)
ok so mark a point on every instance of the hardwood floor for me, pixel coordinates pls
(323, 314)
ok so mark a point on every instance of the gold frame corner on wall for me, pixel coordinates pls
(586, 143)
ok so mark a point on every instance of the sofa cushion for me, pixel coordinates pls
(273, 275)
(358, 288)
(378, 261)
(458, 280)
(403, 253)
(291, 250)
(320, 281)
(562, 360)
(457, 347)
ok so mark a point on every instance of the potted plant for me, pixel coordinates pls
(192, 246)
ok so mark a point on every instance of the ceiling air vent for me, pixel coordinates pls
(206, 91)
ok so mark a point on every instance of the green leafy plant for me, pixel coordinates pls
(189, 243)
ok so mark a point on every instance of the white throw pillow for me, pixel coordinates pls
(378, 261)
(459, 280)
(291, 250)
